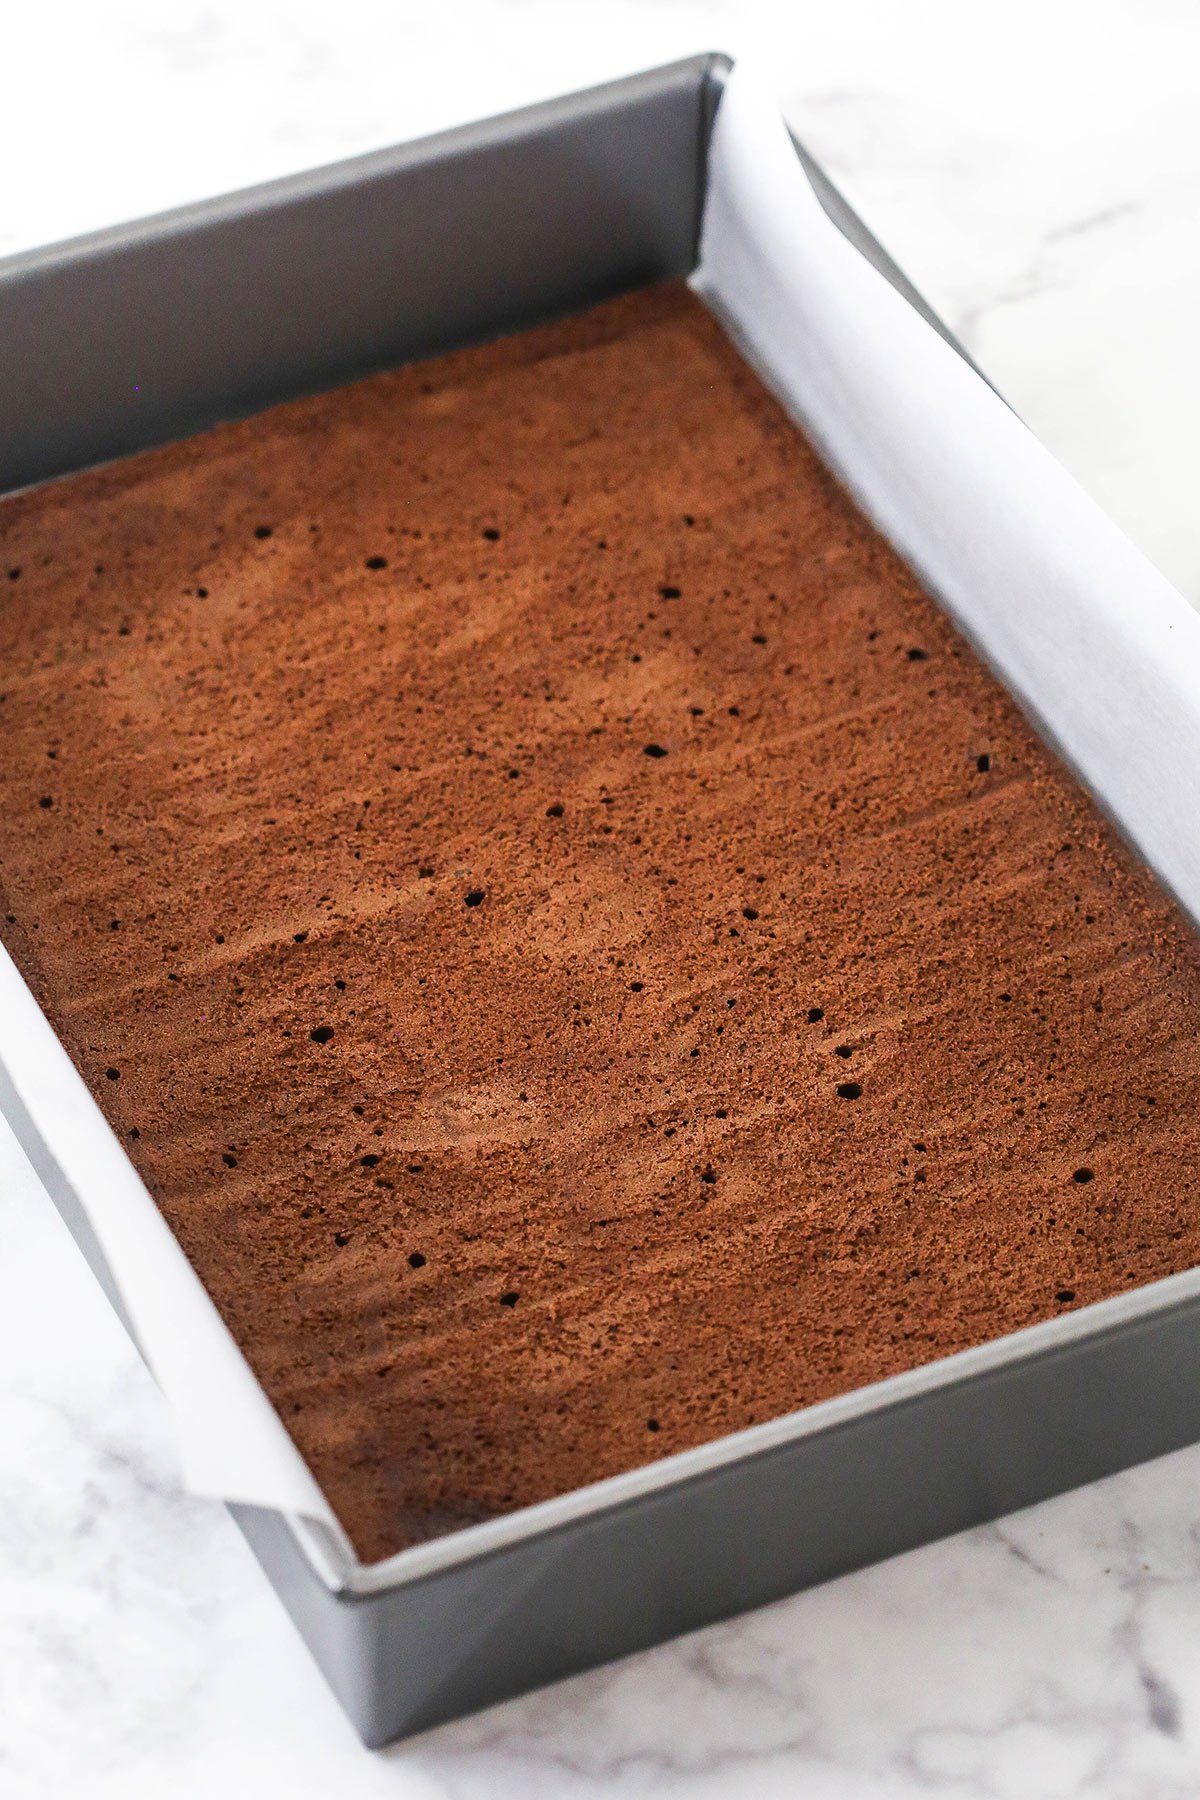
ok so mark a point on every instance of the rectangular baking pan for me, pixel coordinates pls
(152, 331)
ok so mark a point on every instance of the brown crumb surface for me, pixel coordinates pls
(579, 949)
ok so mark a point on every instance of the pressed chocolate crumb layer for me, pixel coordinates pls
(579, 949)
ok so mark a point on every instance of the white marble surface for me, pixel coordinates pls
(1036, 168)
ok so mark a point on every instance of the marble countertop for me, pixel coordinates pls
(1036, 170)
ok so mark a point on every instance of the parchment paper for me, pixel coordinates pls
(231, 1442)
(1100, 648)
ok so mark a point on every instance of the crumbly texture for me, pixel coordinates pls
(578, 947)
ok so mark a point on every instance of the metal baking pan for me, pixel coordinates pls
(224, 308)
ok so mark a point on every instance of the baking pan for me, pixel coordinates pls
(221, 309)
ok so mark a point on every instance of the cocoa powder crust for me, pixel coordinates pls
(579, 949)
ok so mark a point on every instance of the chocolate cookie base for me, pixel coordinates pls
(579, 949)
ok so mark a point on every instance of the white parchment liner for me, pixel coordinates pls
(1081, 627)
(1099, 647)
(231, 1442)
